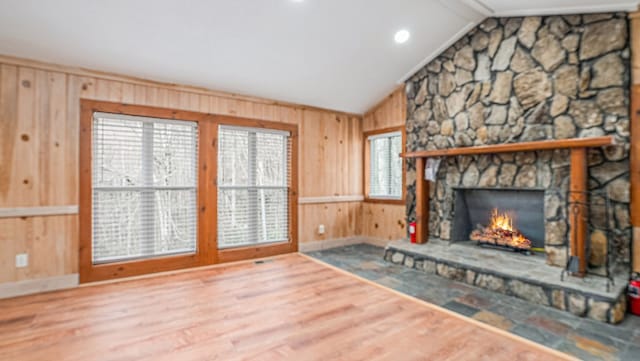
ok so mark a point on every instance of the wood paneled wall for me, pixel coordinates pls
(39, 127)
(379, 220)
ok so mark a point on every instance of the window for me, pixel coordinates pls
(144, 187)
(167, 189)
(385, 166)
(253, 186)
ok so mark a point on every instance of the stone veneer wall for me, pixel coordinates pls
(525, 79)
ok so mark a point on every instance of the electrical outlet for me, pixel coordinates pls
(321, 229)
(22, 260)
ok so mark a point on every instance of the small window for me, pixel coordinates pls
(144, 187)
(385, 166)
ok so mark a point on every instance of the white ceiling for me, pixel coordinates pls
(336, 54)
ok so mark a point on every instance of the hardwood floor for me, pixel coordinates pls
(288, 308)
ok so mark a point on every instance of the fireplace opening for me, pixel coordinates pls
(500, 217)
(501, 233)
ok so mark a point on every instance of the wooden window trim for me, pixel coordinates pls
(367, 170)
(250, 252)
(207, 252)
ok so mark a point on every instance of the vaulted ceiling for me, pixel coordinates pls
(337, 54)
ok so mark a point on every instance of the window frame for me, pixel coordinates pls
(271, 249)
(367, 165)
(146, 188)
(207, 252)
(252, 159)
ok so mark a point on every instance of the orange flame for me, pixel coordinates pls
(501, 221)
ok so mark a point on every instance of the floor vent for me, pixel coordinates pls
(262, 261)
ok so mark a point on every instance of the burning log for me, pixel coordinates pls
(501, 232)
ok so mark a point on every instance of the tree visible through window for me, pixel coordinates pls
(144, 187)
(253, 185)
(385, 171)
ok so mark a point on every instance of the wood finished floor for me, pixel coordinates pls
(289, 308)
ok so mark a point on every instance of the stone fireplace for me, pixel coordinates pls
(512, 83)
(513, 80)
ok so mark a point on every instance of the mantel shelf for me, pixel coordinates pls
(515, 147)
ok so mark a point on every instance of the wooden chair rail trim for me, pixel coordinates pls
(331, 199)
(18, 212)
(516, 147)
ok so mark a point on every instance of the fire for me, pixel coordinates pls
(501, 221)
(501, 232)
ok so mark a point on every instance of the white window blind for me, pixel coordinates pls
(253, 186)
(385, 171)
(144, 187)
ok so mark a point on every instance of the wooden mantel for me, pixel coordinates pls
(515, 147)
(577, 189)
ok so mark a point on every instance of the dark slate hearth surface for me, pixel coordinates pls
(524, 276)
(581, 337)
(510, 264)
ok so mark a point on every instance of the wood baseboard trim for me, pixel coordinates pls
(17, 212)
(340, 242)
(40, 285)
(331, 199)
(179, 271)
(382, 243)
(312, 246)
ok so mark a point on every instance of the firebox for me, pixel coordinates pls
(508, 217)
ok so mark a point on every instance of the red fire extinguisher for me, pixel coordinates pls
(412, 232)
(633, 292)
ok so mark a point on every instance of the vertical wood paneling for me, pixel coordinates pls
(384, 221)
(57, 146)
(341, 220)
(391, 112)
(44, 104)
(24, 155)
(140, 94)
(332, 153)
(8, 127)
(47, 240)
(128, 93)
(87, 90)
(77, 87)
(356, 163)
(114, 90)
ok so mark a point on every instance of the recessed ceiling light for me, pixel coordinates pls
(402, 36)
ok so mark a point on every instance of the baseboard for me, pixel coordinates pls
(340, 242)
(378, 242)
(28, 287)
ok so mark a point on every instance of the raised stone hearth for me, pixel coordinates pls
(524, 276)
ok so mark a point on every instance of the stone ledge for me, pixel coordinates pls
(582, 304)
